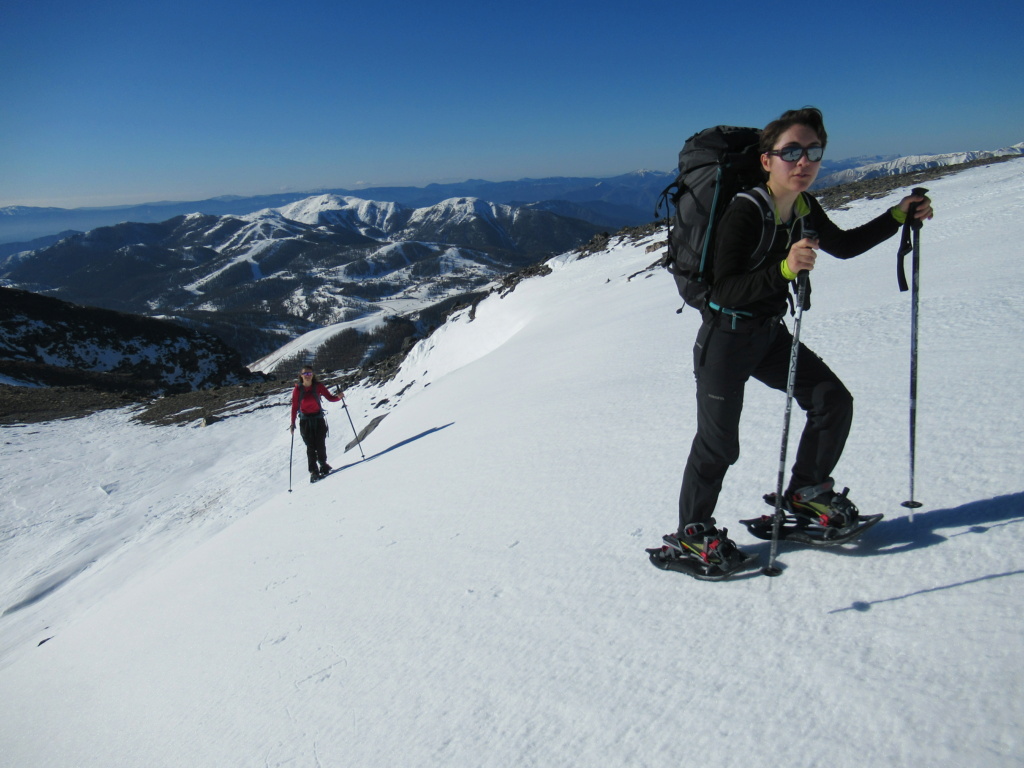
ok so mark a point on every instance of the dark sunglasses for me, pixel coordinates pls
(306, 373)
(793, 154)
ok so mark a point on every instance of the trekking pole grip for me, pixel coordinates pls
(803, 276)
(915, 222)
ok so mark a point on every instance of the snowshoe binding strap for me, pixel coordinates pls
(811, 492)
(694, 530)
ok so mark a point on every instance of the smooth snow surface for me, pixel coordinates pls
(476, 592)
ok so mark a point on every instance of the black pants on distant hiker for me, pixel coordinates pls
(314, 434)
(724, 358)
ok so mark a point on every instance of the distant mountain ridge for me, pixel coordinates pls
(900, 165)
(609, 203)
(382, 270)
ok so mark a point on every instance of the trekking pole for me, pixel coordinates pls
(915, 278)
(352, 424)
(801, 282)
(291, 451)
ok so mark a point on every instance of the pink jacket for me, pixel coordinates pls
(307, 399)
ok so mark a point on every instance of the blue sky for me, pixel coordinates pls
(105, 103)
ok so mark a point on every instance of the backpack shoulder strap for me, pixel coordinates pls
(760, 197)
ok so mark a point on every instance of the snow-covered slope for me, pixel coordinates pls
(476, 593)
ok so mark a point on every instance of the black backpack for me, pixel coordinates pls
(714, 166)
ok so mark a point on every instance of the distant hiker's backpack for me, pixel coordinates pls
(714, 165)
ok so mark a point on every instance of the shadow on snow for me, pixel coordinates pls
(395, 447)
(976, 517)
(900, 535)
(890, 537)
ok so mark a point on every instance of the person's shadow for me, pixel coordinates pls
(899, 535)
(395, 447)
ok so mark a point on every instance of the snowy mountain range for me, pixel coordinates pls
(899, 165)
(262, 279)
(475, 593)
(608, 203)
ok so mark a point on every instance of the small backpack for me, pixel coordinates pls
(715, 165)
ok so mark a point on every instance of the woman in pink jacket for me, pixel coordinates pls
(312, 424)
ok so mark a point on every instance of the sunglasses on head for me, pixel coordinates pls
(794, 153)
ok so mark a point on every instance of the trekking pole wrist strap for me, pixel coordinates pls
(906, 240)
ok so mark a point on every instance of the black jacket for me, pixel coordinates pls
(759, 288)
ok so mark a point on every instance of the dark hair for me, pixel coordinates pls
(809, 116)
(312, 381)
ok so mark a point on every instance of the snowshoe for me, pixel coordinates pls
(815, 528)
(314, 477)
(325, 470)
(702, 551)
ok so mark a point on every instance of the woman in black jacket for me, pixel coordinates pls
(743, 335)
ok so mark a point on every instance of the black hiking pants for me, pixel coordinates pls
(314, 434)
(724, 359)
